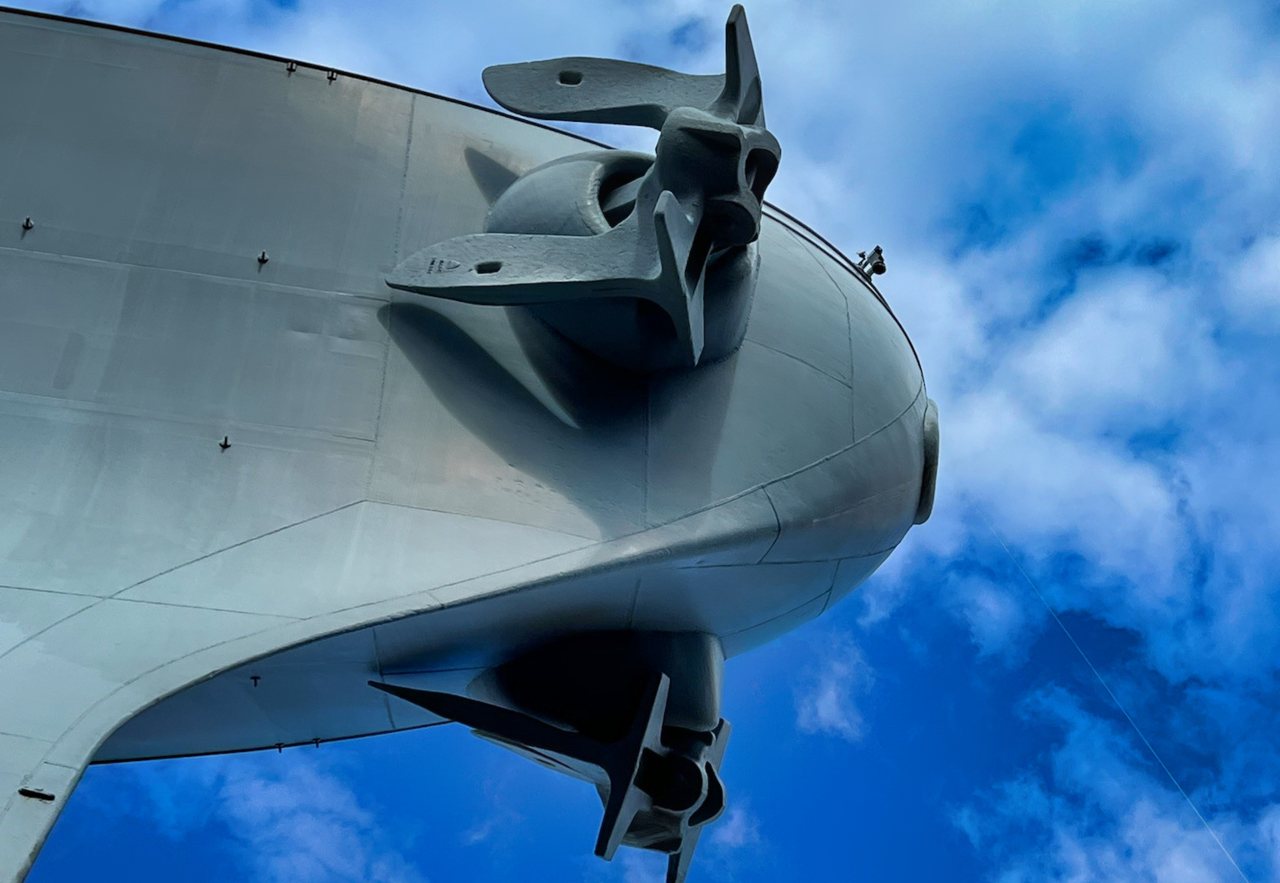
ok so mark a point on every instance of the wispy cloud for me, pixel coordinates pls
(996, 613)
(501, 815)
(306, 824)
(480, 831)
(738, 828)
(1104, 811)
(294, 819)
(826, 697)
(642, 867)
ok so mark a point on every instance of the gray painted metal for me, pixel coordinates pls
(409, 491)
(588, 241)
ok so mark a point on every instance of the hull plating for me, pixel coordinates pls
(410, 488)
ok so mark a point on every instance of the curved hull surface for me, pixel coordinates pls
(407, 487)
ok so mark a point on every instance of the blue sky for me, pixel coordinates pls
(1079, 206)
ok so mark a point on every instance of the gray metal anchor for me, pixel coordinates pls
(588, 240)
(656, 796)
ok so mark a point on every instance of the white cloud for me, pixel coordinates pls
(1127, 351)
(130, 12)
(1269, 839)
(1048, 491)
(480, 831)
(307, 825)
(996, 614)
(642, 867)
(1102, 811)
(1252, 286)
(826, 695)
(737, 828)
(501, 815)
(295, 820)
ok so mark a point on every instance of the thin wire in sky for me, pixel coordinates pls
(1115, 699)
